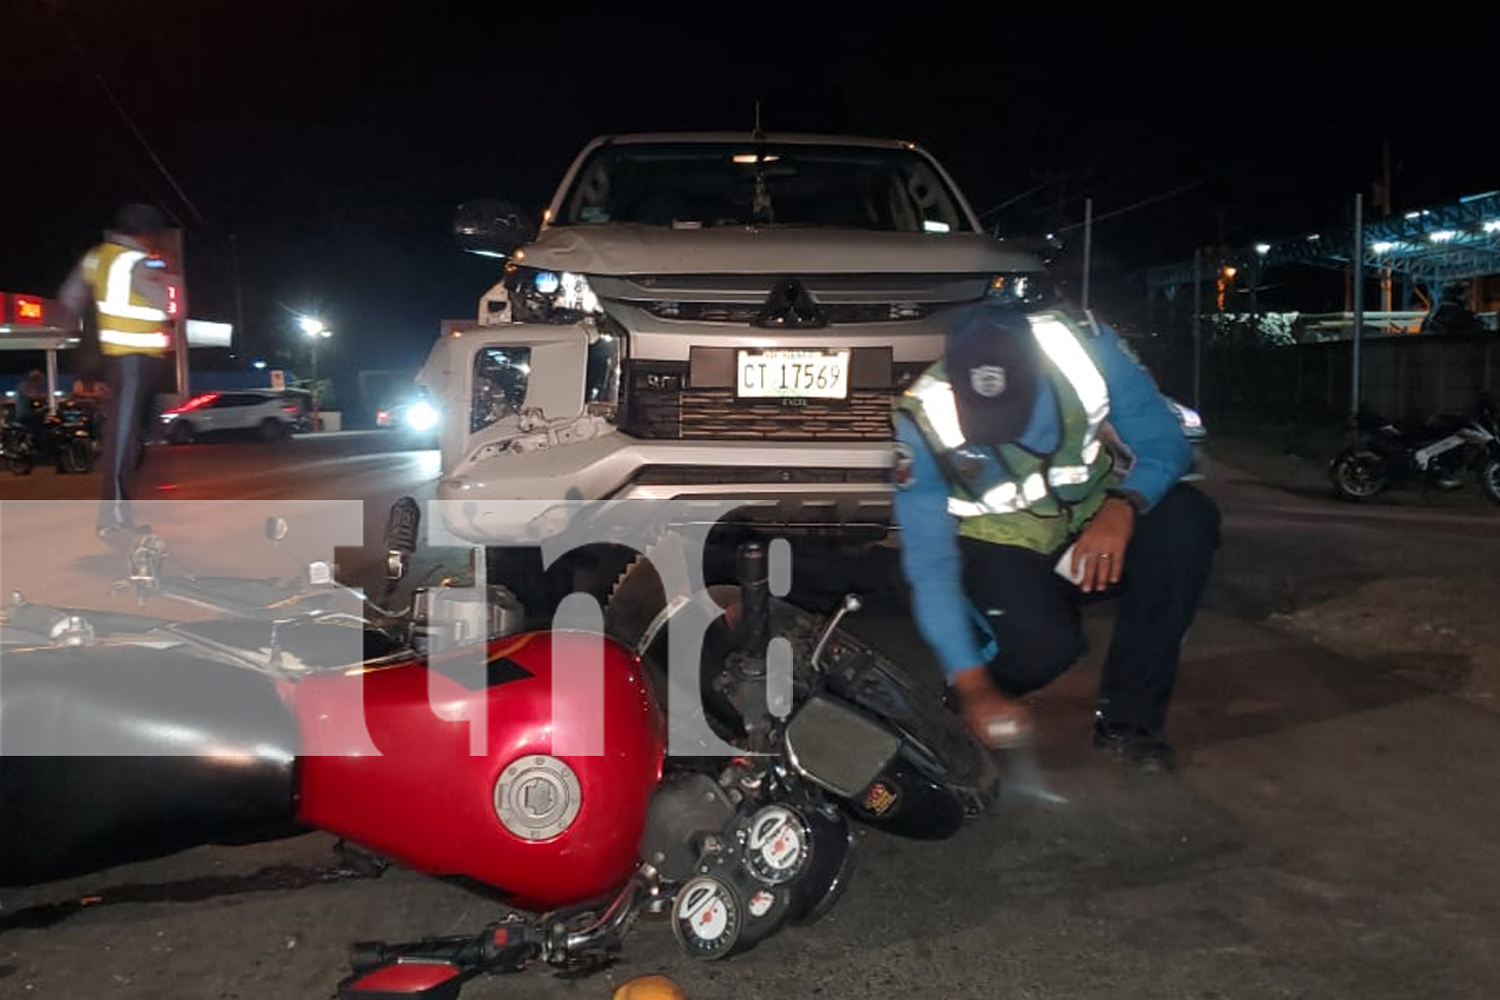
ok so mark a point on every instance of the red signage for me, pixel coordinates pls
(28, 310)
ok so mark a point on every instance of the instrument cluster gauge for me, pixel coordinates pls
(708, 916)
(777, 844)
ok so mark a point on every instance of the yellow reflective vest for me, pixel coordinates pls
(137, 303)
(1006, 493)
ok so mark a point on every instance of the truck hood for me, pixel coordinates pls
(644, 250)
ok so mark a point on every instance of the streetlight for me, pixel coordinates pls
(315, 331)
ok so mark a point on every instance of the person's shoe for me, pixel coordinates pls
(115, 534)
(1140, 748)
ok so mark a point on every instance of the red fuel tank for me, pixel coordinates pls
(526, 763)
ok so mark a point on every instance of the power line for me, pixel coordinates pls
(1140, 204)
(124, 115)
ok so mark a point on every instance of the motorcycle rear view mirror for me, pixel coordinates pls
(277, 529)
(405, 979)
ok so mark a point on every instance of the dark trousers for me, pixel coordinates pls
(134, 380)
(1035, 613)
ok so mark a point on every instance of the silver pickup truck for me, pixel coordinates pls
(717, 316)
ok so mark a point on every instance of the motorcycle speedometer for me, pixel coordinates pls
(778, 842)
(708, 915)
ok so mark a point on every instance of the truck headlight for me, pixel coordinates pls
(1027, 289)
(1191, 418)
(540, 295)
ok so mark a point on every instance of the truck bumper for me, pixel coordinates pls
(514, 498)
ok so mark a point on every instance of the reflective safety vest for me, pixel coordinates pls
(130, 321)
(1006, 493)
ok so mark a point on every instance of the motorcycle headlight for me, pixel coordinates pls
(540, 295)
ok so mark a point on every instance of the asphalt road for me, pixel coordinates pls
(1329, 835)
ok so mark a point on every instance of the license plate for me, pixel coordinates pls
(774, 374)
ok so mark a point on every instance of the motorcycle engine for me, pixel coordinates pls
(743, 862)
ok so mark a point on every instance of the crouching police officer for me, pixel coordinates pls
(1038, 465)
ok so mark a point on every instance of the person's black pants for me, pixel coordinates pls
(1035, 613)
(134, 380)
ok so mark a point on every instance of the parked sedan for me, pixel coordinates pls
(268, 414)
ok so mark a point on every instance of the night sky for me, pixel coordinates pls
(313, 152)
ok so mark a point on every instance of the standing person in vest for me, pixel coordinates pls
(122, 284)
(1038, 466)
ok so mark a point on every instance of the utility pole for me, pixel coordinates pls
(1088, 245)
(1197, 329)
(1385, 213)
(171, 249)
(239, 291)
(1359, 298)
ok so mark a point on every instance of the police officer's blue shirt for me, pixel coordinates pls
(1141, 417)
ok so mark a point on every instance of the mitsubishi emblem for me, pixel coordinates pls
(791, 305)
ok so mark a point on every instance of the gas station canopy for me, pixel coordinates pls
(1431, 246)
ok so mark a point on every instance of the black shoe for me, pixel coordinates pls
(114, 534)
(1140, 748)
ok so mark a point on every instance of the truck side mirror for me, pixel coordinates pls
(492, 228)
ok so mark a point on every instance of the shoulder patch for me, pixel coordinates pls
(902, 471)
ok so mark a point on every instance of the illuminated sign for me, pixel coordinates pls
(28, 310)
(203, 334)
(174, 307)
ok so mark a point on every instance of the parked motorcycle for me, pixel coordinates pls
(67, 439)
(286, 712)
(1439, 454)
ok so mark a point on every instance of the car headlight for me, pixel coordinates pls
(1026, 289)
(540, 295)
(421, 416)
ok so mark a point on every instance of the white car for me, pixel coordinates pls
(266, 414)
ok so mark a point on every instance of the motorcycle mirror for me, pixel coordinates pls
(277, 528)
(414, 978)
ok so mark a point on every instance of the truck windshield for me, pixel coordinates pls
(702, 185)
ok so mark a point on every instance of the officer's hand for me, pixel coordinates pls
(996, 721)
(1099, 555)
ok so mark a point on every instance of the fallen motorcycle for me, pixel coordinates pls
(286, 712)
(1437, 455)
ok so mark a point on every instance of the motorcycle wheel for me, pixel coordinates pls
(940, 751)
(1358, 475)
(18, 456)
(1489, 478)
(77, 456)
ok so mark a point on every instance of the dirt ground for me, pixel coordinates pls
(1444, 631)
